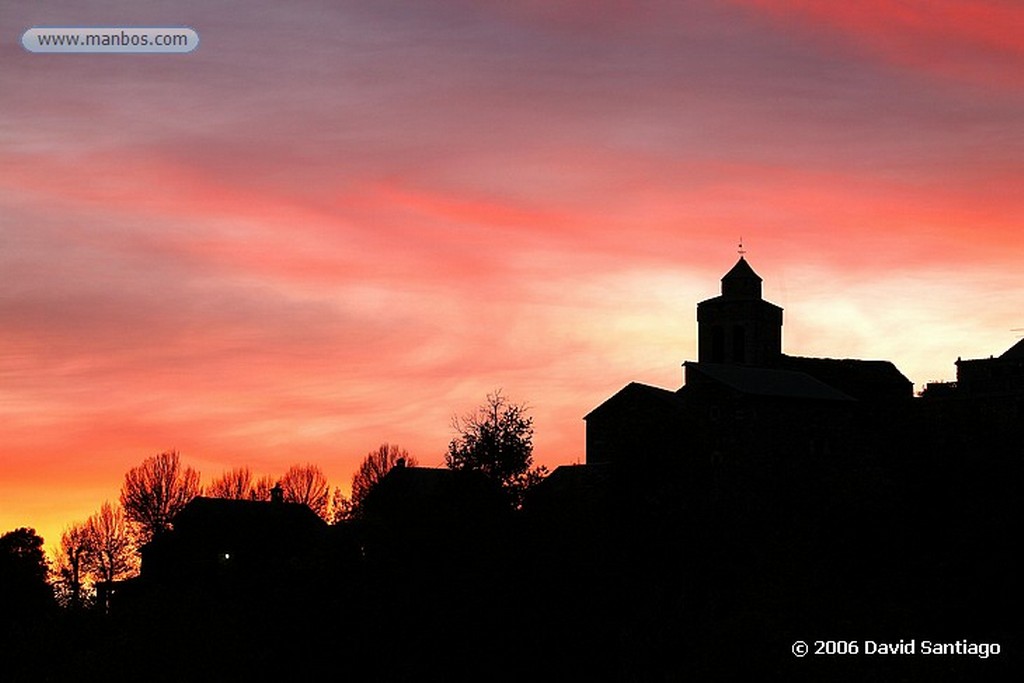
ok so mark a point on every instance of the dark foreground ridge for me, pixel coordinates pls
(774, 506)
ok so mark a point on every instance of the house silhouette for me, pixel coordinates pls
(218, 540)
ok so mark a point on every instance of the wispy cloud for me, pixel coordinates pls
(338, 224)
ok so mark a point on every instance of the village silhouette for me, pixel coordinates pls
(771, 499)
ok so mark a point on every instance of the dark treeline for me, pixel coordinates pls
(697, 570)
(90, 610)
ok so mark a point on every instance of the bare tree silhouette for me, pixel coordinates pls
(307, 484)
(261, 488)
(375, 465)
(71, 565)
(155, 491)
(341, 507)
(236, 484)
(111, 544)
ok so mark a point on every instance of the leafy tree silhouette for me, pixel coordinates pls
(497, 439)
(24, 591)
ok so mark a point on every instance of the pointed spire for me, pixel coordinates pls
(741, 281)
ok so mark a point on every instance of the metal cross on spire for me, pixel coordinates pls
(741, 251)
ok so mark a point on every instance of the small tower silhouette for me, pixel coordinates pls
(739, 327)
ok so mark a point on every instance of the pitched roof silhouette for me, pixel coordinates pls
(860, 379)
(644, 392)
(222, 516)
(214, 520)
(246, 537)
(741, 282)
(1015, 352)
(742, 269)
(763, 381)
(428, 481)
(574, 490)
(429, 492)
(577, 477)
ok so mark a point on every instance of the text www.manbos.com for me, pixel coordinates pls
(113, 39)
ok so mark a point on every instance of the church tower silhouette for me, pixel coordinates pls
(739, 327)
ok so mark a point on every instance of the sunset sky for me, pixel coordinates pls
(336, 224)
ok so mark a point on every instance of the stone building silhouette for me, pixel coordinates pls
(744, 395)
(774, 495)
(1003, 375)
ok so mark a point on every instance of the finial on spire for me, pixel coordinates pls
(741, 251)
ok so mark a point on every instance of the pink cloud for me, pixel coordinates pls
(292, 254)
(977, 41)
